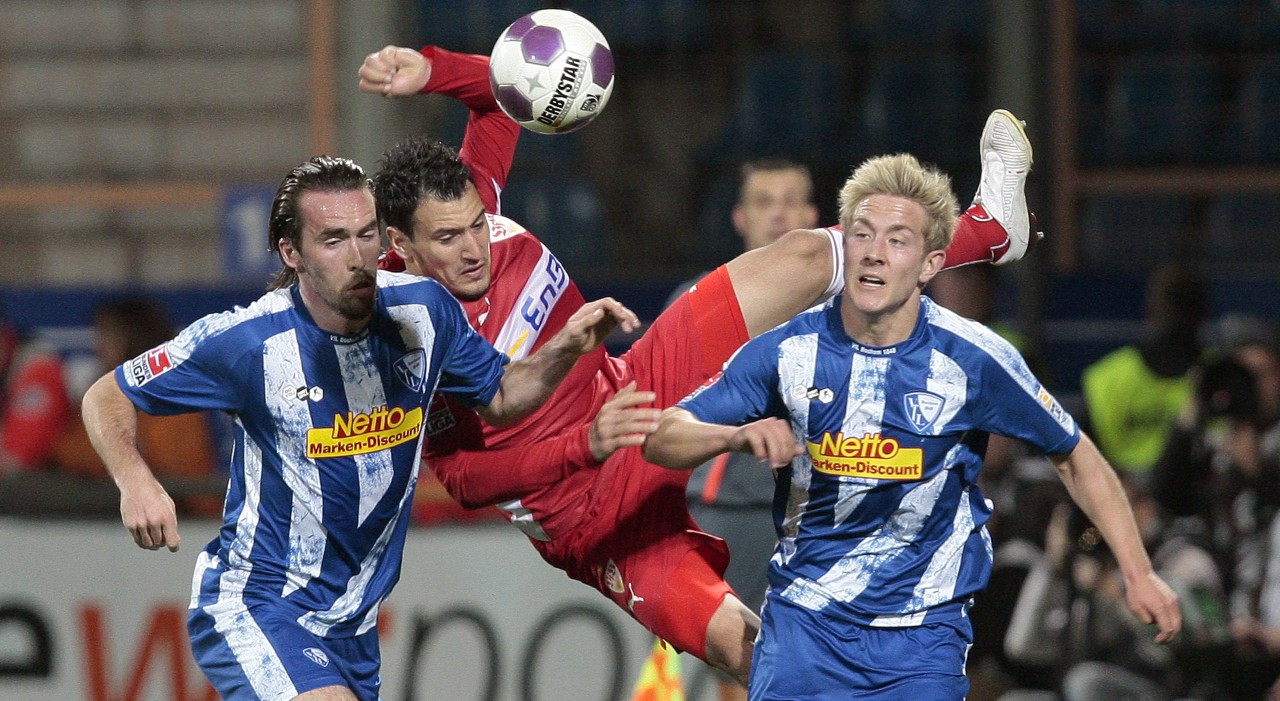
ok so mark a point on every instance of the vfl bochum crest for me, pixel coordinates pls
(922, 409)
(411, 369)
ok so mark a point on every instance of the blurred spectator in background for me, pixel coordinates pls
(731, 496)
(971, 291)
(41, 433)
(34, 406)
(180, 449)
(1134, 393)
(8, 350)
(1220, 475)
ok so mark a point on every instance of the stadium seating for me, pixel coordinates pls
(469, 26)
(648, 26)
(1255, 123)
(943, 24)
(566, 213)
(789, 103)
(1242, 229)
(922, 104)
(1162, 109)
(1133, 232)
(1161, 24)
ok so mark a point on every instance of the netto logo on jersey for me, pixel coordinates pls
(566, 89)
(872, 456)
(354, 433)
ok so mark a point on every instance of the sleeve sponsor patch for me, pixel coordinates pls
(149, 365)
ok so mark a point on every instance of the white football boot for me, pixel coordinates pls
(1006, 161)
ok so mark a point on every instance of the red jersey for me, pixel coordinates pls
(533, 470)
(527, 469)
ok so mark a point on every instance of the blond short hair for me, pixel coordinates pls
(901, 175)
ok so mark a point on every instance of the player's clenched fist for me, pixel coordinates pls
(769, 439)
(394, 72)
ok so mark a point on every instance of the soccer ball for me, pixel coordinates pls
(551, 71)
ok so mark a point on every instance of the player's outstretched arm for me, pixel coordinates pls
(682, 442)
(394, 71)
(485, 477)
(1093, 485)
(146, 509)
(528, 383)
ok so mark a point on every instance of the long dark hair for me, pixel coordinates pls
(319, 174)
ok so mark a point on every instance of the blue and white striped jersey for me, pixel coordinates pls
(881, 520)
(328, 434)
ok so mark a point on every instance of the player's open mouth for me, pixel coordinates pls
(870, 280)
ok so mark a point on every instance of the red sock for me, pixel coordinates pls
(979, 239)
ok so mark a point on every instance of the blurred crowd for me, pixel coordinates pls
(1189, 414)
(47, 464)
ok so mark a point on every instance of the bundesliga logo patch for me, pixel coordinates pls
(149, 365)
(813, 394)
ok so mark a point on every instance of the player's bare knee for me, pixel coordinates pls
(807, 257)
(805, 247)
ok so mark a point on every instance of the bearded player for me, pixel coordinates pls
(571, 476)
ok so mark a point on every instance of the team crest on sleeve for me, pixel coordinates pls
(411, 368)
(923, 408)
(150, 365)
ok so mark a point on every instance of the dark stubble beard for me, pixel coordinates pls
(357, 308)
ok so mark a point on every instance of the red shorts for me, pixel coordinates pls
(637, 531)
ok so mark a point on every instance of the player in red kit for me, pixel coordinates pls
(571, 476)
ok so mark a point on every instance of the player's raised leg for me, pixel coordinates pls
(998, 228)
(784, 278)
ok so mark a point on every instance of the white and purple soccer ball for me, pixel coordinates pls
(551, 71)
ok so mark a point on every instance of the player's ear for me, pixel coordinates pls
(289, 253)
(398, 240)
(933, 262)
(739, 219)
